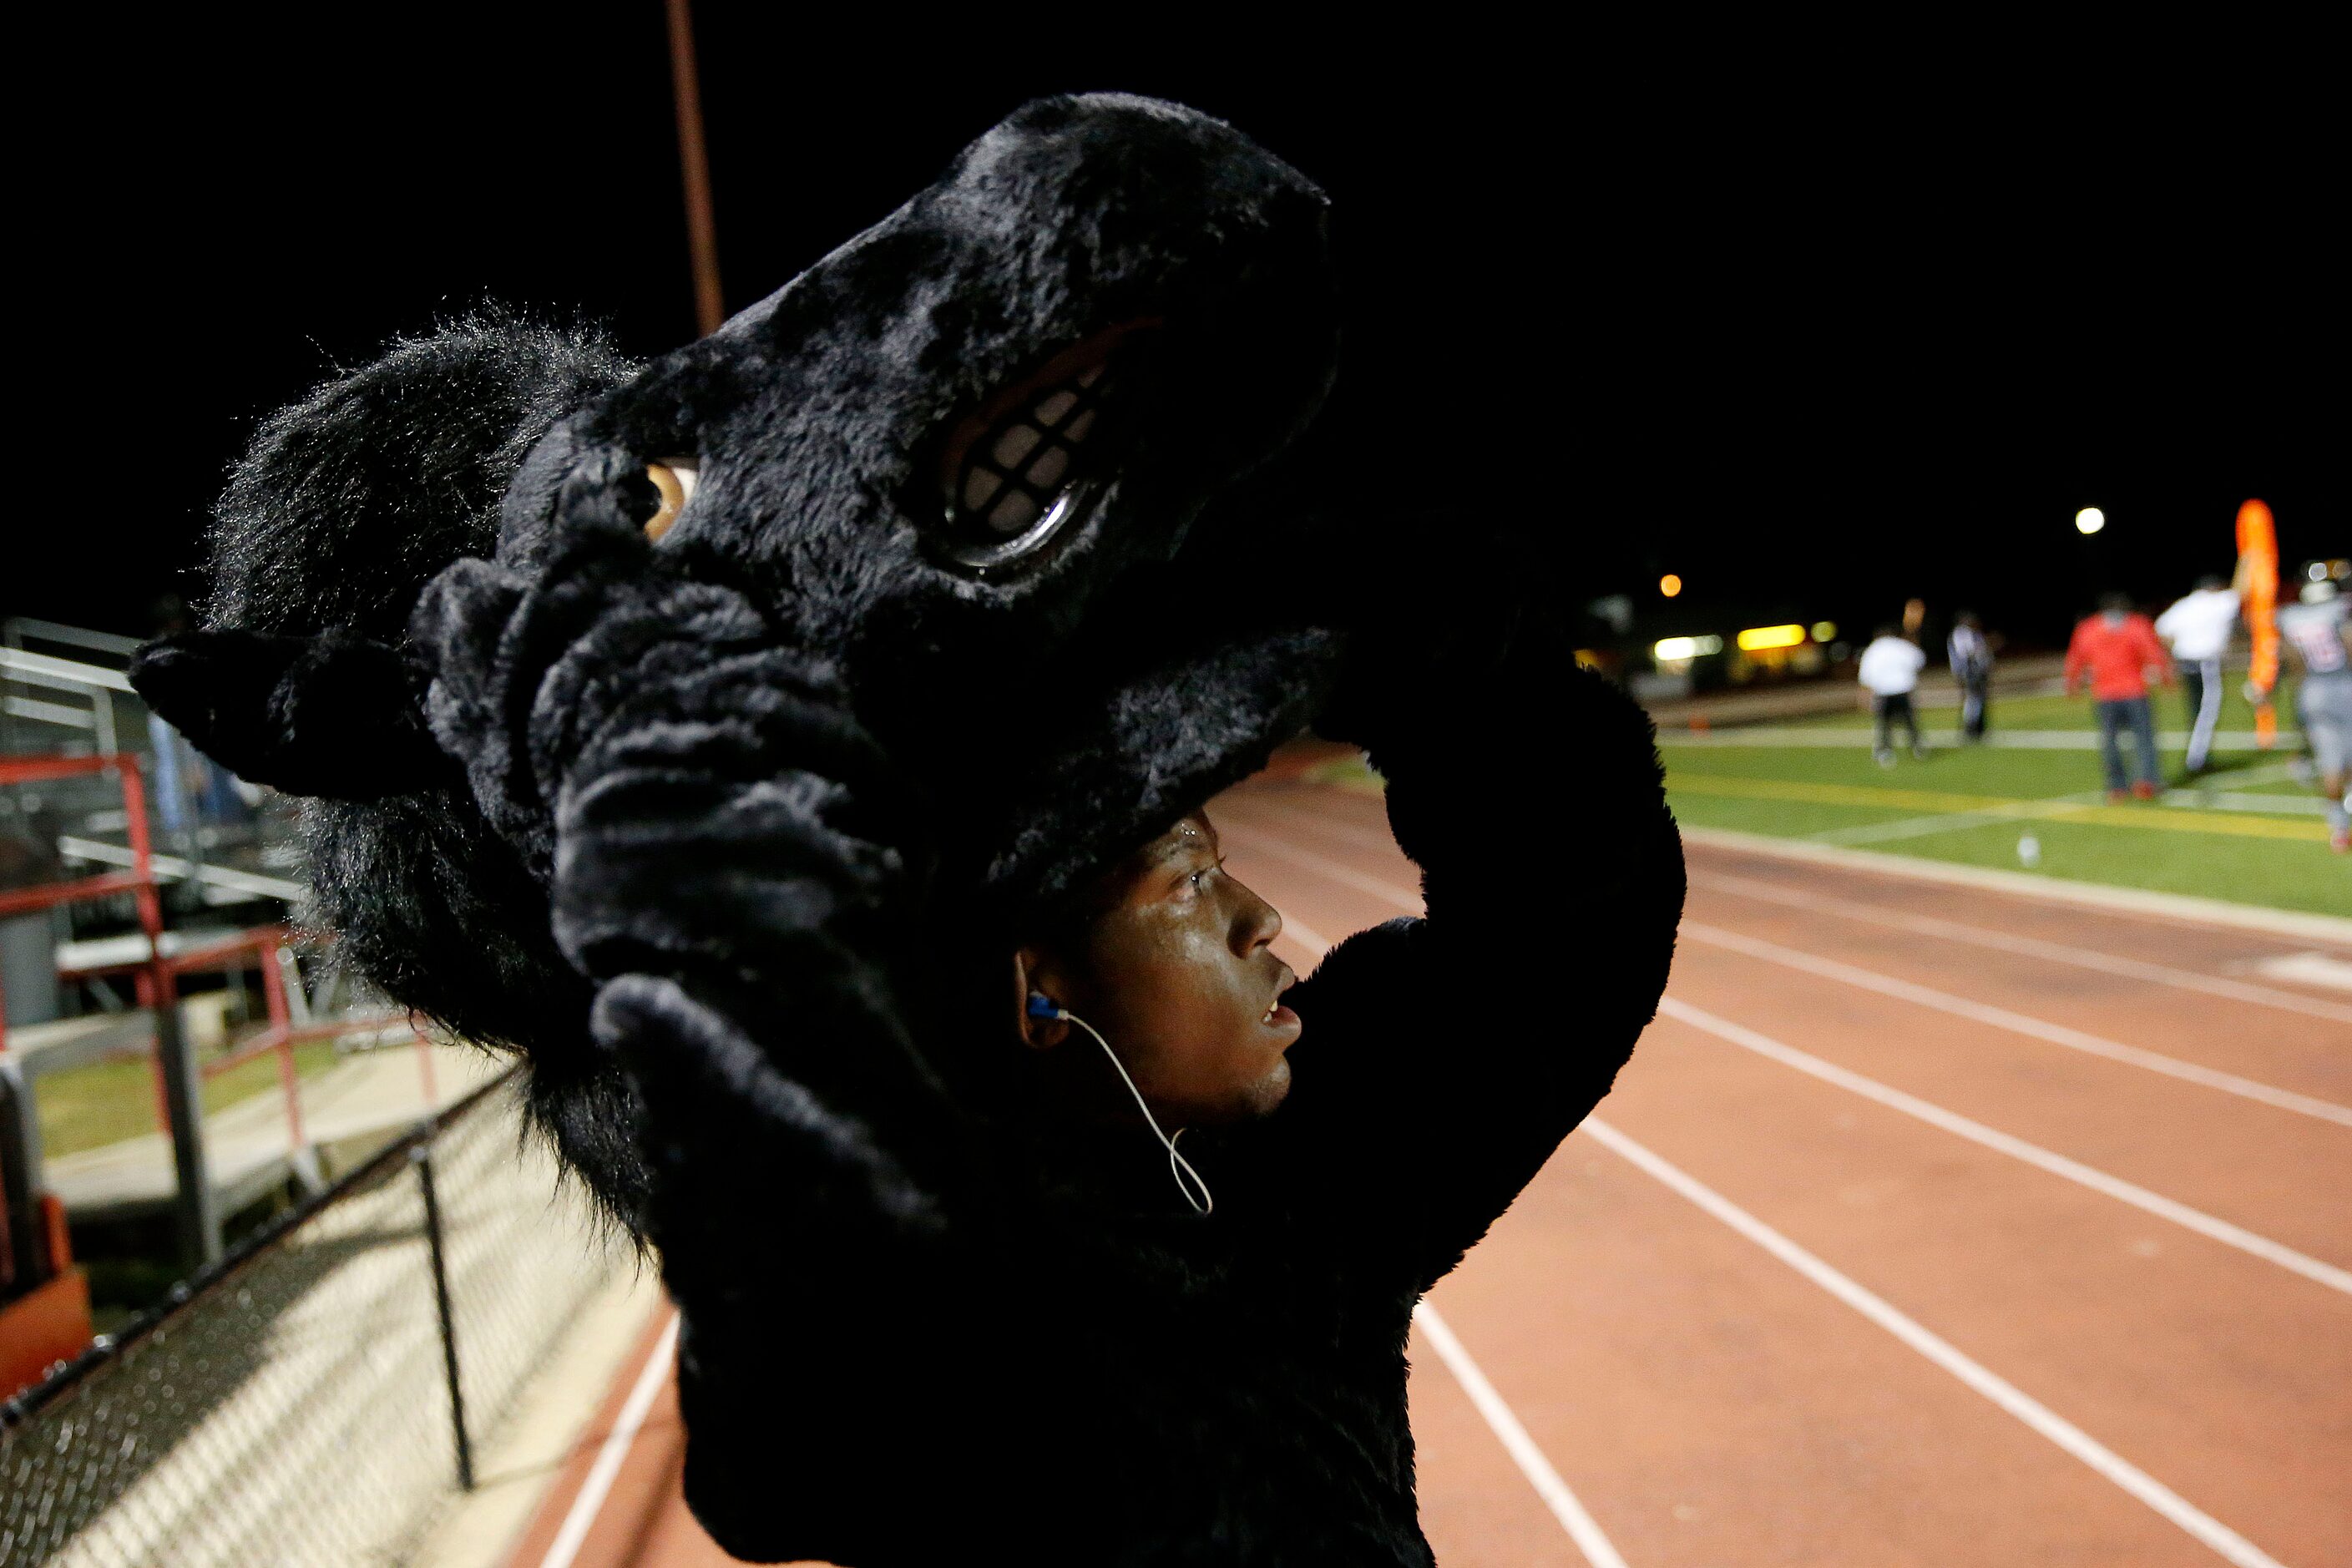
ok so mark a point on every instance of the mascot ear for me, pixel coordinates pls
(347, 503)
(331, 715)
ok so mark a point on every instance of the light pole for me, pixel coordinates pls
(694, 160)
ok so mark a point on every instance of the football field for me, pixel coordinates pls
(2250, 830)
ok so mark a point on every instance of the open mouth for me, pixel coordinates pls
(1277, 1015)
(1015, 473)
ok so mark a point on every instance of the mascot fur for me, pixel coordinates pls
(710, 732)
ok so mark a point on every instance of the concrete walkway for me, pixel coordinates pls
(248, 1147)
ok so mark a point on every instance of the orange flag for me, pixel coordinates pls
(2258, 582)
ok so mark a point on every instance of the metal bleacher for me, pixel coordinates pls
(63, 691)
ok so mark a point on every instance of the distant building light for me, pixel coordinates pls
(1670, 585)
(1669, 649)
(2317, 571)
(1756, 638)
(1825, 631)
(2090, 520)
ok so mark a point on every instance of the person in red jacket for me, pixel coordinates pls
(2116, 649)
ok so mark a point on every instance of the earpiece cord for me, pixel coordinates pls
(1178, 1166)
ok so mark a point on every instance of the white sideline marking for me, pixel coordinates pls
(2036, 947)
(2312, 969)
(2017, 1023)
(1522, 1448)
(2034, 1154)
(601, 1475)
(2142, 902)
(2211, 1531)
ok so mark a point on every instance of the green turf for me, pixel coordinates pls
(2291, 873)
(2207, 853)
(2054, 712)
(106, 1102)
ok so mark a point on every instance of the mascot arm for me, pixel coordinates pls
(1446, 1058)
(729, 865)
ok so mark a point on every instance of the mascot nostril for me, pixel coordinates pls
(723, 733)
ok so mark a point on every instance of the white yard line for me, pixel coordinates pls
(2016, 1148)
(582, 1515)
(2219, 1538)
(1953, 821)
(1522, 1448)
(2016, 1023)
(2031, 947)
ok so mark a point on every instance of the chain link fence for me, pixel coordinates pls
(315, 1399)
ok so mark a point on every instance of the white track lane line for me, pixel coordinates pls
(2223, 1540)
(2016, 1023)
(2211, 1531)
(2031, 947)
(1868, 980)
(1522, 1448)
(2034, 1154)
(1261, 842)
(2180, 1213)
(582, 1515)
(1565, 1507)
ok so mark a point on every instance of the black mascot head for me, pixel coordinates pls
(986, 459)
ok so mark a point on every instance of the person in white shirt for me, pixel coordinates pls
(1890, 672)
(2197, 629)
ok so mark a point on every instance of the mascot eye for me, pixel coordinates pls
(1021, 477)
(1015, 474)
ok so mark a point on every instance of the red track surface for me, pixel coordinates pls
(1709, 1402)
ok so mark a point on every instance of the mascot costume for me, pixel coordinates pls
(710, 731)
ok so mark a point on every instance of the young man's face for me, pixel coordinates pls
(1175, 967)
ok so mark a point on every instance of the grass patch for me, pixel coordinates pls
(106, 1102)
(2278, 859)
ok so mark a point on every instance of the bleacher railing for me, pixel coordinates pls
(316, 1396)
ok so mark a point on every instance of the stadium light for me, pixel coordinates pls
(2090, 520)
(1756, 638)
(1668, 649)
(1669, 586)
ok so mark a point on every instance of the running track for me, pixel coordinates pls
(1927, 1225)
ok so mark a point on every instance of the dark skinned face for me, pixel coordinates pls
(1174, 965)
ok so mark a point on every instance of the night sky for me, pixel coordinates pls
(1816, 337)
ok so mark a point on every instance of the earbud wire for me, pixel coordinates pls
(1188, 1180)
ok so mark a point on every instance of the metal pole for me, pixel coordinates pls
(183, 1106)
(701, 230)
(422, 1158)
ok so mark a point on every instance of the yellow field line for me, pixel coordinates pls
(1929, 801)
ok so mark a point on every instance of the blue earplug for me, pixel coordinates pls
(1042, 1006)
